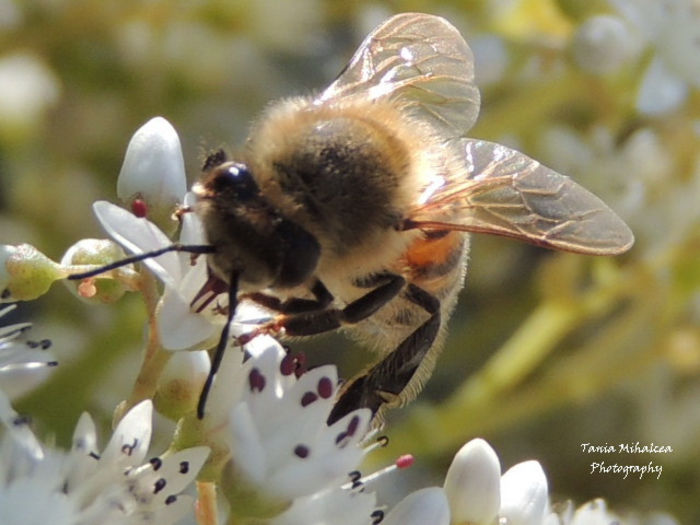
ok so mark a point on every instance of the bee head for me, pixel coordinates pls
(250, 236)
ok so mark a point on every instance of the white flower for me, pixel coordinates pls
(604, 43)
(28, 89)
(337, 506)
(475, 492)
(524, 497)
(422, 507)
(81, 487)
(472, 483)
(153, 171)
(23, 363)
(491, 58)
(595, 512)
(278, 436)
(672, 27)
(179, 327)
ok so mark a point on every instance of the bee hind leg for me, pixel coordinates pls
(384, 382)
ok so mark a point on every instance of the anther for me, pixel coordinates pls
(325, 387)
(256, 380)
(301, 451)
(159, 485)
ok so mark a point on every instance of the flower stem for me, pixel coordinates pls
(206, 504)
(155, 357)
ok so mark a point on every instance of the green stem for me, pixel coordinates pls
(155, 357)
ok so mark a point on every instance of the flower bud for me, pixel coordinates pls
(180, 384)
(95, 252)
(472, 483)
(25, 273)
(524, 494)
(152, 179)
(603, 44)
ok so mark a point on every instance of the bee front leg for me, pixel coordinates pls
(295, 305)
(385, 381)
(324, 320)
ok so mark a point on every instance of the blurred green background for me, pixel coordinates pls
(546, 351)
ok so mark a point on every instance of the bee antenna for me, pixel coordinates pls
(177, 247)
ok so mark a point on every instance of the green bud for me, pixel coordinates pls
(95, 252)
(25, 273)
(180, 384)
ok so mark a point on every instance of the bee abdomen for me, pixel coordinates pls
(435, 260)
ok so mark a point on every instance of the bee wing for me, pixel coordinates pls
(503, 192)
(421, 60)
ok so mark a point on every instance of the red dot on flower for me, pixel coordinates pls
(287, 365)
(256, 380)
(139, 208)
(325, 387)
(352, 426)
(308, 398)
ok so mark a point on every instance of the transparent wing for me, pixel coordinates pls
(421, 60)
(503, 192)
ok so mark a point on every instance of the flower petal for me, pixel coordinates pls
(473, 483)
(423, 506)
(139, 235)
(132, 436)
(524, 496)
(661, 90)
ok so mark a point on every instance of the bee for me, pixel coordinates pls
(352, 209)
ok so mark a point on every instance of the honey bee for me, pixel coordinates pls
(351, 209)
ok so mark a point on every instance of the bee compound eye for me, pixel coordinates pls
(238, 179)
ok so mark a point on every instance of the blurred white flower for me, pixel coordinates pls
(23, 363)
(422, 507)
(337, 506)
(82, 487)
(604, 43)
(596, 512)
(27, 88)
(491, 58)
(672, 28)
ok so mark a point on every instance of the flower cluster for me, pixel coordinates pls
(84, 487)
(264, 435)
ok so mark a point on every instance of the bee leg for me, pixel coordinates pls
(385, 381)
(295, 305)
(221, 346)
(320, 321)
(208, 292)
